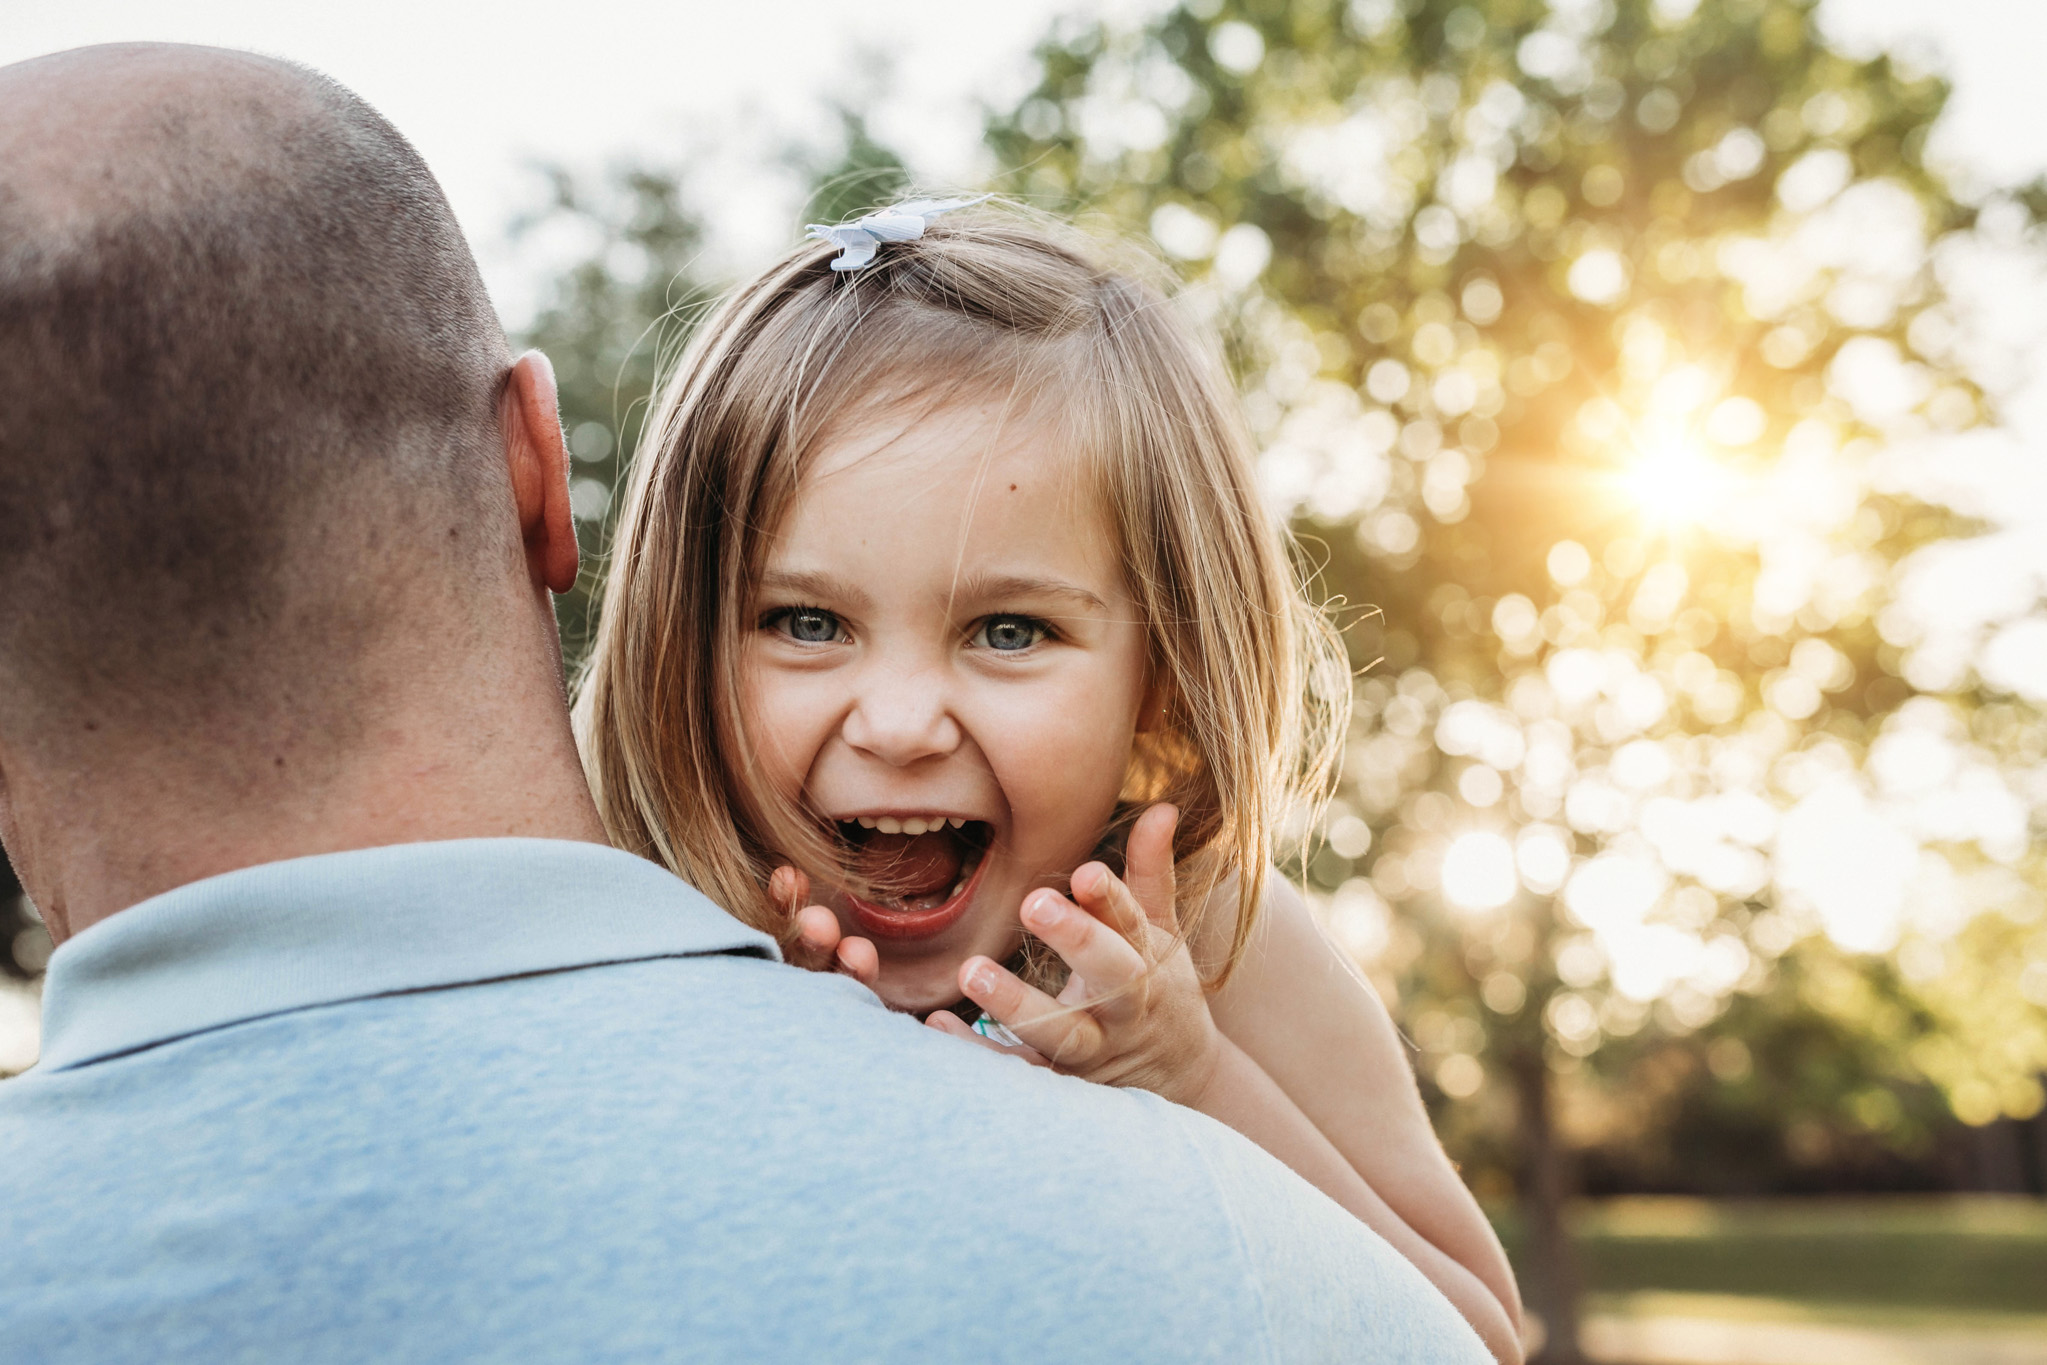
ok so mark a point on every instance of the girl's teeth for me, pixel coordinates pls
(912, 824)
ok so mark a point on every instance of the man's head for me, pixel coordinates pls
(243, 346)
(256, 413)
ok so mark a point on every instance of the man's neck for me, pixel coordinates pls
(463, 763)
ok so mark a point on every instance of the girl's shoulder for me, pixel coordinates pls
(1215, 929)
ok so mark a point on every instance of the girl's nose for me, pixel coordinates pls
(902, 718)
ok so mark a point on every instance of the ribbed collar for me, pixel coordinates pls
(343, 926)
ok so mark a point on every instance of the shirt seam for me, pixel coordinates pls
(151, 1044)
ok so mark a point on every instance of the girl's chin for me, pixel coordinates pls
(921, 951)
(922, 977)
(929, 983)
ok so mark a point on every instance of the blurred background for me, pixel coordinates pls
(1659, 389)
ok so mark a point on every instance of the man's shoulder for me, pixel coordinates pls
(1070, 1176)
(726, 1126)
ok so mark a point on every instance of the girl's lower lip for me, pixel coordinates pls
(883, 922)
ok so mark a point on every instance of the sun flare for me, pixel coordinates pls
(1673, 481)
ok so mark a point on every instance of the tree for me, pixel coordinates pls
(607, 324)
(859, 172)
(1591, 342)
(615, 318)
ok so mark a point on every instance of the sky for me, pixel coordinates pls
(485, 91)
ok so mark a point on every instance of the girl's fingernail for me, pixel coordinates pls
(1040, 910)
(980, 978)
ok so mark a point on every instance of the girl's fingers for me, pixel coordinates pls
(945, 1021)
(817, 929)
(1148, 863)
(1062, 1035)
(858, 959)
(1096, 888)
(1107, 960)
(821, 944)
(789, 888)
(813, 941)
(1107, 897)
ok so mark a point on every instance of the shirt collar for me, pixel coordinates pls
(343, 926)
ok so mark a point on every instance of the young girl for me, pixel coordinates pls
(943, 585)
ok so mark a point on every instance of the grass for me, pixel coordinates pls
(1880, 1317)
(1925, 1260)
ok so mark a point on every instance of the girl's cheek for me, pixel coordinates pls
(1066, 760)
(782, 728)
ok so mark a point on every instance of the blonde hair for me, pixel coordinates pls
(992, 299)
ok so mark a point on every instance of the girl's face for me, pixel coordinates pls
(944, 660)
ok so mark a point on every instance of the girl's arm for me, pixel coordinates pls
(1315, 1027)
(1134, 1014)
(1241, 1094)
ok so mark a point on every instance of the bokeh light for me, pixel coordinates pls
(1478, 871)
(1674, 481)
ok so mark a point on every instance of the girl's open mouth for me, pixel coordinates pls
(920, 873)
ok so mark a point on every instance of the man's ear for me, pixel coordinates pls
(15, 845)
(538, 460)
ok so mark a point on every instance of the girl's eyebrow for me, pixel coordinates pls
(994, 587)
(824, 587)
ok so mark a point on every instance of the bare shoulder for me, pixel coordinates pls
(1287, 949)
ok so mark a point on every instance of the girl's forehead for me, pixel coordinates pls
(970, 445)
(962, 489)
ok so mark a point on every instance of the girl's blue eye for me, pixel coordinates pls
(811, 625)
(1010, 633)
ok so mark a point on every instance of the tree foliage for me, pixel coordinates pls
(1584, 340)
(614, 317)
(1586, 343)
(606, 324)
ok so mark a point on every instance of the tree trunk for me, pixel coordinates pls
(1997, 1157)
(2039, 1127)
(1553, 1287)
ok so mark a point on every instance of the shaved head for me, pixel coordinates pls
(248, 387)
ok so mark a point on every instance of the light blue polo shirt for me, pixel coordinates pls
(522, 1100)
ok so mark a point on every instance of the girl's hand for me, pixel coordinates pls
(819, 945)
(1133, 1013)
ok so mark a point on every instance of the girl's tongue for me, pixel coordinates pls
(911, 868)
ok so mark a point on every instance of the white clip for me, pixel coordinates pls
(858, 240)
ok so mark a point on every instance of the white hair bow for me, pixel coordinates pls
(858, 240)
